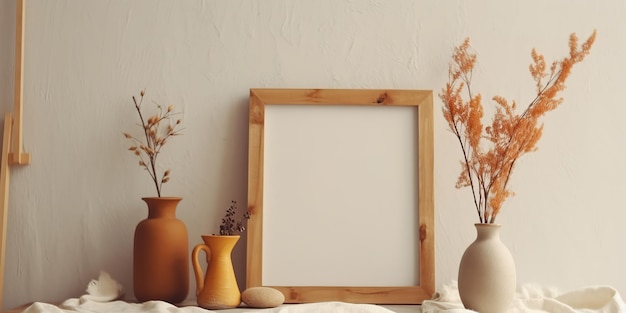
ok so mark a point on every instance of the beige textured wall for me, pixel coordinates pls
(73, 210)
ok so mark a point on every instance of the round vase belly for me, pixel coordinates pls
(487, 273)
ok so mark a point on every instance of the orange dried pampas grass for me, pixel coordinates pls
(490, 153)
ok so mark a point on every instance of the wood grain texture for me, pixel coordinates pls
(4, 194)
(372, 295)
(16, 155)
(423, 101)
(12, 137)
(255, 192)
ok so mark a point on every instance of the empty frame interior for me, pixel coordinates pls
(340, 195)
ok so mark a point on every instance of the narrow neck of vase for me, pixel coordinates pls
(160, 212)
(162, 207)
(221, 245)
(487, 231)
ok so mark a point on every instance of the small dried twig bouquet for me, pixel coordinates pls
(490, 153)
(229, 225)
(157, 130)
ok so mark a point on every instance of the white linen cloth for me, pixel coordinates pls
(102, 292)
(532, 299)
(88, 306)
(327, 307)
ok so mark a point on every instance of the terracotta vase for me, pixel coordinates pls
(218, 289)
(161, 253)
(487, 273)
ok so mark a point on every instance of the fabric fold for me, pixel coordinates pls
(533, 299)
(326, 307)
(75, 305)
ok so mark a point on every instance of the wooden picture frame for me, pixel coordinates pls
(12, 150)
(422, 102)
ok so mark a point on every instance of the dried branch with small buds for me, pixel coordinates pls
(157, 130)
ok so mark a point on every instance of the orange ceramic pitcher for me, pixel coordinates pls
(218, 289)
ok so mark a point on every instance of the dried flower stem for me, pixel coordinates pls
(157, 130)
(490, 153)
(229, 226)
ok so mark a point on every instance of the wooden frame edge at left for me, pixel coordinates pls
(423, 101)
(12, 153)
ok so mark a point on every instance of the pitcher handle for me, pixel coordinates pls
(197, 269)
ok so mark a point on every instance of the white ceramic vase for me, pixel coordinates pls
(487, 278)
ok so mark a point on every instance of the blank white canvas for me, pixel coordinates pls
(340, 196)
